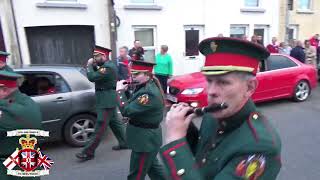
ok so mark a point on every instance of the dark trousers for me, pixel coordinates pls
(106, 117)
(163, 81)
(143, 163)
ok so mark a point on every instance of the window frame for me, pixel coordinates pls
(246, 26)
(143, 3)
(295, 28)
(258, 4)
(43, 74)
(147, 48)
(310, 8)
(201, 29)
(62, 1)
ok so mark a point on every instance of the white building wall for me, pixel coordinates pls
(216, 16)
(28, 14)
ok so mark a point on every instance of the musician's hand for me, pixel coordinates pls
(177, 123)
(90, 61)
(121, 86)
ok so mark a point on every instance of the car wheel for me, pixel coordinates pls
(79, 129)
(302, 91)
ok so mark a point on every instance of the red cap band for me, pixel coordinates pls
(3, 58)
(227, 59)
(9, 83)
(141, 68)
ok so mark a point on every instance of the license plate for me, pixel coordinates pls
(172, 98)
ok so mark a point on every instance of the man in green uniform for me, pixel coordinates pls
(233, 143)
(103, 73)
(145, 112)
(13, 116)
(3, 61)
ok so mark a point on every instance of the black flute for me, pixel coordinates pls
(207, 109)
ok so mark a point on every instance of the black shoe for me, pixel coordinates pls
(119, 147)
(84, 156)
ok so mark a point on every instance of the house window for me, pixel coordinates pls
(238, 31)
(251, 3)
(192, 41)
(293, 32)
(305, 4)
(290, 5)
(146, 35)
(143, 1)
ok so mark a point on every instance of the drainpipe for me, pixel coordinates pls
(287, 22)
(113, 29)
(18, 63)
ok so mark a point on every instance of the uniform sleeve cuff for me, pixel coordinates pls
(178, 158)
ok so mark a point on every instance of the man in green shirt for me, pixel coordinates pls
(163, 69)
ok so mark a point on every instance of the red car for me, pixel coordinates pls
(280, 76)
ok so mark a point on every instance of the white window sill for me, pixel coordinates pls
(61, 5)
(253, 10)
(305, 11)
(142, 7)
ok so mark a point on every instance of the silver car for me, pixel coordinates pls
(66, 98)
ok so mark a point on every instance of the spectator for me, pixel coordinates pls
(311, 53)
(244, 37)
(29, 85)
(318, 55)
(137, 52)
(260, 40)
(298, 53)
(254, 39)
(284, 48)
(314, 41)
(163, 68)
(123, 63)
(44, 86)
(273, 47)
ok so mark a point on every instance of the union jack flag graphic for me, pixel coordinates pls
(44, 161)
(28, 160)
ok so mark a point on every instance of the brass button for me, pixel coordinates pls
(180, 172)
(172, 153)
(119, 92)
(122, 103)
(120, 97)
(213, 145)
(204, 160)
(255, 116)
(199, 137)
(221, 132)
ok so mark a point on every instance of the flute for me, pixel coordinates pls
(208, 109)
(132, 82)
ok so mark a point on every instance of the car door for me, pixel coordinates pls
(54, 106)
(264, 86)
(280, 73)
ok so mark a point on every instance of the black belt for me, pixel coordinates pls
(105, 89)
(144, 125)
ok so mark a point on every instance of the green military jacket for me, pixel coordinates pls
(7, 68)
(144, 107)
(105, 79)
(17, 112)
(244, 146)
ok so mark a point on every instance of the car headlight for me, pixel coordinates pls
(192, 91)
